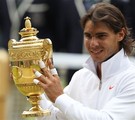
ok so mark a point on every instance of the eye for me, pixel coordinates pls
(101, 36)
(87, 36)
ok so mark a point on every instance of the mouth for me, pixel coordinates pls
(97, 55)
(96, 52)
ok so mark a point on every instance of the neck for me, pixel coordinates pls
(99, 70)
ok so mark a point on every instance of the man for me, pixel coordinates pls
(105, 88)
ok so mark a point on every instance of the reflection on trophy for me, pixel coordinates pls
(24, 56)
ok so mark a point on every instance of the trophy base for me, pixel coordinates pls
(36, 113)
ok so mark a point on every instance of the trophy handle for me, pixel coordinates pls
(16, 72)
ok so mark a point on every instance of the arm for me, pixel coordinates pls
(120, 107)
(56, 114)
(50, 82)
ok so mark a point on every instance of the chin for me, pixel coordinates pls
(97, 60)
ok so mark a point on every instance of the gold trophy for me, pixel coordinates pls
(24, 56)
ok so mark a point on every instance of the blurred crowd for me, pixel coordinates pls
(128, 9)
(58, 20)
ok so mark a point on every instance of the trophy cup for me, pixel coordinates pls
(24, 56)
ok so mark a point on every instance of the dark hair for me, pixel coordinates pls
(113, 18)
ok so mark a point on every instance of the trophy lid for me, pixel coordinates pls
(29, 47)
(28, 31)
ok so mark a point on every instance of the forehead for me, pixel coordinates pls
(96, 27)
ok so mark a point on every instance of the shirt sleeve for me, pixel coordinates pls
(76, 111)
(46, 104)
(120, 107)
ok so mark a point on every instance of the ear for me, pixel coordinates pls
(121, 34)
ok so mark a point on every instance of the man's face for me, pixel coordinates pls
(100, 41)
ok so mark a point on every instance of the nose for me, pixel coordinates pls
(94, 42)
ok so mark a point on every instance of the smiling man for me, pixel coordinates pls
(104, 89)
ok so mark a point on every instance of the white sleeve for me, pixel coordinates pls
(76, 111)
(120, 107)
(56, 114)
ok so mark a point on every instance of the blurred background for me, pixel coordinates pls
(58, 20)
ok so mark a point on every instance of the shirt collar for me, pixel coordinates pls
(116, 64)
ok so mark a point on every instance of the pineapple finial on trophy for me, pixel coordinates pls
(27, 22)
(28, 31)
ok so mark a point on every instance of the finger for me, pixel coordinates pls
(42, 64)
(37, 74)
(41, 77)
(37, 82)
(54, 71)
(44, 69)
(52, 68)
(50, 63)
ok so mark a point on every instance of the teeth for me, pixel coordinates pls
(96, 52)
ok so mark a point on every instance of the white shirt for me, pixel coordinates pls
(89, 98)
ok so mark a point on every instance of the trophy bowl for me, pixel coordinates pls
(24, 56)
